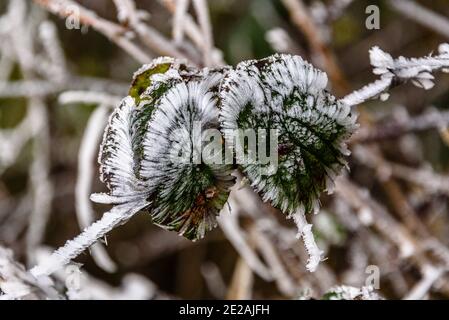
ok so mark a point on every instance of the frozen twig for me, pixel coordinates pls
(301, 17)
(280, 41)
(361, 200)
(193, 31)
(55, 65)
(424, 177)
(396, 71)
(27, 88)
(132, 287)
(284, 281)
(305, 232)
(352, 293)
(42, 88)
(40, 184)
(39, 178)
(13, 140)
(126, 11)
(178, 20)
(326, 14)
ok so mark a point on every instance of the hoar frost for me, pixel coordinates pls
(282, 93)
(157, 121)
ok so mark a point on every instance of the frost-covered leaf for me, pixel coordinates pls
(150, 83)
(284, 92)
(188, 193)
(167, 99)
(116, 157)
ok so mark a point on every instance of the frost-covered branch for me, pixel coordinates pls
(351, 293)
(379, 217)
(228, 223)
(425, 177)
(40, 179)
(281, 42)
(399, 70)
(302, 18)
(55, 65)
(72, 248)
(431, 119)
(305, 232)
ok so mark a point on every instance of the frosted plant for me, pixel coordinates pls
(171, 98)
(134, 158)
(152, 155)
(286, 93)
(188, 194)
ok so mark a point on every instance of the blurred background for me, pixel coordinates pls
(391, 213)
